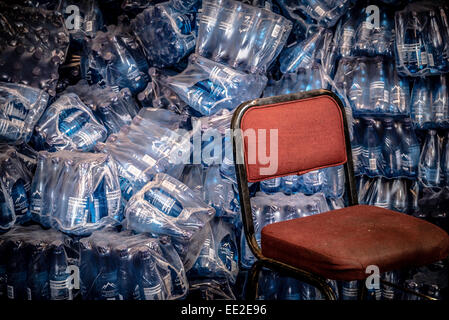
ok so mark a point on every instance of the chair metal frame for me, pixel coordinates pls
(245, 203)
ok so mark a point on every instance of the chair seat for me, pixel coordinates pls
(340, 244)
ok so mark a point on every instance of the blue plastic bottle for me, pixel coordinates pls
(107, 282)
(152, 286)
(390, 151)
(429, 163)
(16, 273)
(163, 201)
(59, 277)
(410, 149)
(372, 151)
(38, 277)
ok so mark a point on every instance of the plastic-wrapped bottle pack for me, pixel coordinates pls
(113, 109)
(116, 59)
(208, 87)
(173, 30)
(154, 142)
(122, 266)
(166, 206)
(34, 43)
(35, 266)
(68, 124)
(422, 34)
(218, 257)
(75, 192)
(372, 87)
(241, 36)
(21, 107)
(15, 185)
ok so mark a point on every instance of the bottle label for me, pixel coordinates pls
(276, 30)
(134, 171)
(77, 210)
(89, 26)
(152, 293)
(431, 60)
(373, 164)
(59, 290)
(149, 160)
(168, 185)
(319, 11)
(10, 292)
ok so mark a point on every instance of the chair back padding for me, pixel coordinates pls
(310, 135)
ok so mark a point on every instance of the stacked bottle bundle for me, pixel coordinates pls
(115, 58)
(68, 124)
(385, 148)
(394, 194)
(75, 192)
(434, 161)
(152, 143)
(208, 87)
(122, 266)
(277, 207)
(218, 257)
(429, 104)
(359, 33)
(329, 181)
(215, 189)
(166, 206)
(88, 21)
(172, 29)
(32, 46)
(241, 36)
(113, 109)
(372, 87)
(422, 34)
(34, 265)
(15, 185)
(321, 12)
(21, 107)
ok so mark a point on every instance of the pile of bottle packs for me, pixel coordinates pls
(117, 173)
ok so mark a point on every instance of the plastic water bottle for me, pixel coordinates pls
(435, 43)
(290, 289)
(271, 186)
(378, 90)
(163, 201)
(128, 286)
(445, 157)
(399, 196)
(412, 51)
(440, 101)
(38, 277)
(372, 151)
(59, 277)
(205, 264)
(390, 293)
(356, 146)
(227, 253)
(335, 182)
(301, 55)
(358, 92)
(429, 162)
(152, 287)
(107, 281)
(88, 272)
(391, 153)
(290, 184)
(16, 273)
(410, 149)
(38, 186)
(349, 290)
(420, 103)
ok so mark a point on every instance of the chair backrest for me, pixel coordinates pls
(286, 135)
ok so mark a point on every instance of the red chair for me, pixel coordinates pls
(340, 244)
